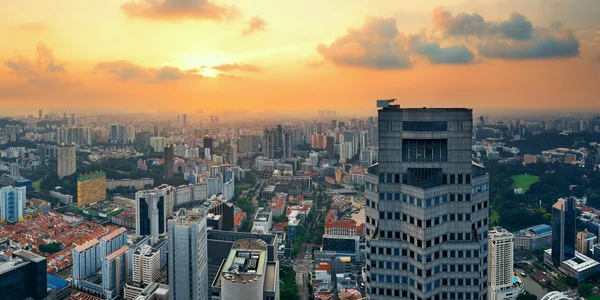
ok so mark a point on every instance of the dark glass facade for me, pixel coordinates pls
(144, 220)
(23, 280)
(564, 230)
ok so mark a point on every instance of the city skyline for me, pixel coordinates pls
(129, 56)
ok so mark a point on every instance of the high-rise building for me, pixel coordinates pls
(91, 188)
(40, 114)
(185, 121)
(122, 137)
(288, 143)
(23, 277)
(279, 141)
(145, 265)
(168, 162)
(66, 160)
(249, 143)
(564, 227)
(15, 170)
(73, 121)
(330, 147)
(158, 143)
(187, 256)
(246, 274)
(268, 144)
(501, 259)
(150, 213)
(426, 207)
(12, 203)
(114, 273)
(114, 133)
(207, 143)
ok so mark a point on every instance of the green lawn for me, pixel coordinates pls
(524, 181)
(36, 184)
(593, 297)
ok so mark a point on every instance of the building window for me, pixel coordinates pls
(430, 150)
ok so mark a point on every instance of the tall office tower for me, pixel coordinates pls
(12, 203)
(150, 213)
(501, 259)
(114, 273)
(564, 227)
(330, 146)
(114, 133)
(187, 255)
(23, 276)
(122, 136)
(268, 144)
(66, 160)
(41, 115)
(207, 143)
(185, 121)
(168, 162)
(426, 208)
(73, 120)
(234, 154)
(288, 143)
(279, 141)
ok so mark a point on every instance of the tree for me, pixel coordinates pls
(526, 296)
(246, 226)
(50, 248)
(571, 281)
(585, 289)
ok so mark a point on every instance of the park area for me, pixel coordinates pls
(524, 181)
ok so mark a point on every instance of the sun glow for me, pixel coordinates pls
(203, 63)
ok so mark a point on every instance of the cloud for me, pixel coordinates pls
(127, 71)
(436, 54)
(255, 24)
(44, 70)
(32, 27)
(237, 67)
(554, 42)
(517, 27)
(180, 9)
(377, 44)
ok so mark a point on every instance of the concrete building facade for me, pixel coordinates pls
(426, 208)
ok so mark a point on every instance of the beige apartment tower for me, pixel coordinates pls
(66, 160)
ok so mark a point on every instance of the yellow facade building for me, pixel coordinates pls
(91, 188)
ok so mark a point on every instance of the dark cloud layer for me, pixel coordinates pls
(436, 54)
(518, 27)
(255, 24)
(126, 71)
(180, 9)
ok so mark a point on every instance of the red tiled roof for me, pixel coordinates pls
(238, 217)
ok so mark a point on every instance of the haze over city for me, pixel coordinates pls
(255, 56)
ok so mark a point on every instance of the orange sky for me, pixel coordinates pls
(256, 55)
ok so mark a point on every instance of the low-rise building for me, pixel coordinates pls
(533, 238)
(579, 267)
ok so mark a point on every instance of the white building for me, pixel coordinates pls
(200, 191)
(158, 143)
(313, 158)
(114, 273)
(183, 194)
(263, 221)
(12, 203)
(187, 256)
(501, 258)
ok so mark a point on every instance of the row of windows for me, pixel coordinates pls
(461, 236)
(420, 202)
(479, 188)
(436, 255)
(370, 187)
(479, 206)
(410, 295)
(428, 287)
(447, 178)
(418, 222)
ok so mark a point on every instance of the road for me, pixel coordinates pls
(302, 266)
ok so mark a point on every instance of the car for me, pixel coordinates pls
(545, 273)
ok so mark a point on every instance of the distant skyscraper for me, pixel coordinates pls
(234, 154)
(114, 133)
(268, 144)
(73, 120)
(501, 259)
(564, 227)
(12, 203)
(66, 160)
(41, 115)
(15, 170)
(330, 146)
(427, 224)
(168, 164)
(150, 213)
(207, 143)
(185, 121)
(288, 143)
(187, 255)
(122, 137)
(279, 141)
(23, 277)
